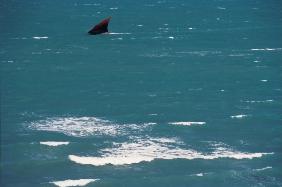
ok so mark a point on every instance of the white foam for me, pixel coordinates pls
(240, 116)
(153, 114)
(267, 49)
(40, 37)
(52, 143)
(198, 174)
(119, 33)
(67, 183)
(114, 8)
(83, 126)
(261, 169)
(187, 123)
(20, 38)
(147, 150)
(90, 4)
(200, 53)
(264, 80)
(171, 37)
(86, 126)
(117, 38)
(263, 101)
(139, 25)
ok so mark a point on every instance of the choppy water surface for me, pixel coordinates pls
(179, 93)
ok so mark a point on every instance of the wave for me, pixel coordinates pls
(79, 182)
(267, 49)
(91, 4)
(261, 169)
(262, 101)
(53, 143)
(40, 37)
(198, 174)
(240, 116)
(147, 150)
(87, 126)
(187, 123)
(201, 53)
(119, 33)
(117, 39)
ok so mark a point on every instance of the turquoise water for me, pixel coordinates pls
(180, 93)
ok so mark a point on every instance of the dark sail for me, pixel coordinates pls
(101, 27)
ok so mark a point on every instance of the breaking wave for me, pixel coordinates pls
(53, 143)
(262, 169)
(119, 33)
(147, 150)
(240, 116)
(187, 123)
(40, 37)
(79, 182)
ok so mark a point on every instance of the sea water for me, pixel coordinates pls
(179, 93)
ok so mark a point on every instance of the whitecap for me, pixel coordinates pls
(261, 169)
(53, 143)
(40, 37)
(198, 174)
(91, 4)
(171, 37)
(187, 123)
(153, 114)
(240, 116)
(79, 127)
(264, 80)
(257, 101)
(266, 49)
(79, 182)
(20, 38)
(87, 126)
(117, 39)
(114, 8)
(149, 149)
(118, 33)
(200, 53)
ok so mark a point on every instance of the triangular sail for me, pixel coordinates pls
(101, 27)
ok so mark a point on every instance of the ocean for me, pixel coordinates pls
(179, 93)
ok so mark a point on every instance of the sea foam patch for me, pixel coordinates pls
(259, 101)
(53, 143)
(147, 150)
(87, 126)
(262, 169)
(119, 33)
(40, 37)
(79, 182)
(82, 126)
(266, 49)
(187, 123)
(240, 116)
